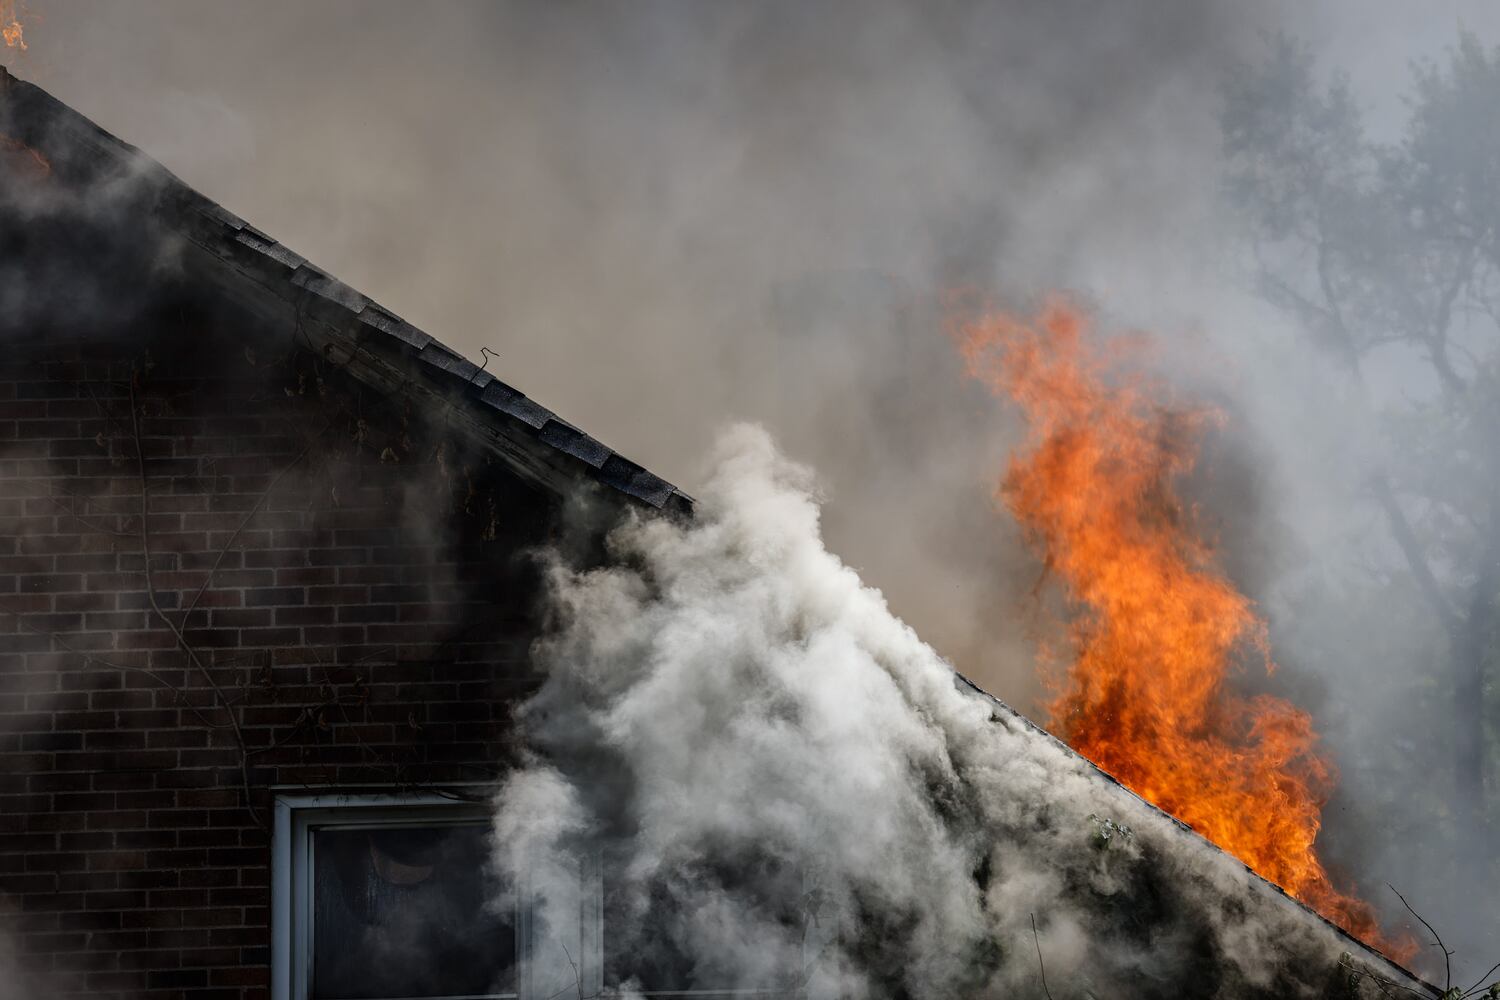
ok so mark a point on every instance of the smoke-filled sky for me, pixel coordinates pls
(662, 217)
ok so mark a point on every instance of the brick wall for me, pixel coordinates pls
(342, 570)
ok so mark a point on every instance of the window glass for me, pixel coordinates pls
(675, 933)
(642, 934)
(400, 911)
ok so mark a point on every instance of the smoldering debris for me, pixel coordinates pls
(771, 782)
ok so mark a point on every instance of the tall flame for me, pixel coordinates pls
(11, 31)
(1157, 627)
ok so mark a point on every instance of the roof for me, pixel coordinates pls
(374, 344)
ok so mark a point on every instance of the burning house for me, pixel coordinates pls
(335, 667)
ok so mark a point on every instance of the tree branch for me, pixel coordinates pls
(1437, 938)
(1040, 964)
(1416, 559)
(191, 653)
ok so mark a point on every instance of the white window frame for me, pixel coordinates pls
(296, 816)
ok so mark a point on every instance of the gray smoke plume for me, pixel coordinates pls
(766, 779)
(664, 215)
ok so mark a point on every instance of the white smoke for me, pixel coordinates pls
(781, 782)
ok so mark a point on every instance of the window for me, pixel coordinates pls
(642, 931)
(386, 897)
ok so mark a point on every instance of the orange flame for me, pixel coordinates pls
(1158, 627)
(11, 31)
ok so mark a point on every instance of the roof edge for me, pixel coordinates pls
(377, 346)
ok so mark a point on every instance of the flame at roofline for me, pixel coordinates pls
(1158, 627)
(12, 33)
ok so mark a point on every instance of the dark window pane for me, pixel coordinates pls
(400, 912)
(653, 932)
(640, 945)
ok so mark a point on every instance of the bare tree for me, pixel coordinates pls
(1391, 252)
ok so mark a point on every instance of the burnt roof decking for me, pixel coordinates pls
(374, 344)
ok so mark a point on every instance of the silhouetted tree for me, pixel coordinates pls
(1388, 254)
